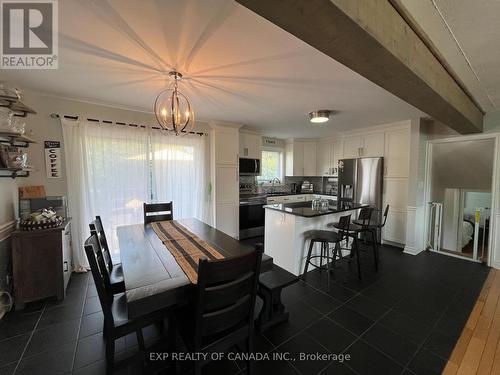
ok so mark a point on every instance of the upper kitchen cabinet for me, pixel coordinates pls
(300, 158)
(364, 146)
(328, 154)
(227, 147)
(250, 146)
(397, 155)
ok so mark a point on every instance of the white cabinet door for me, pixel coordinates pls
(227, 184)
(227, 218)
(325, 158)
(227, 147)
(250, 146)
(352, 146)
(373, 145)
(397, 153)
(309, 158)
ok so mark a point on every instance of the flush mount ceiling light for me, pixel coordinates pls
(172, 109)
(319, 116)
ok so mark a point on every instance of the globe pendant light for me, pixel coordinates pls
(172, 109)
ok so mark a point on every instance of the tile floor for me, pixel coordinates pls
(405, 319)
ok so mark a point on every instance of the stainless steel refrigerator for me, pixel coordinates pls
(361, 181)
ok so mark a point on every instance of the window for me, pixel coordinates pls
(271, 166)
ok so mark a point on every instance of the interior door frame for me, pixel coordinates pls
(495, 190)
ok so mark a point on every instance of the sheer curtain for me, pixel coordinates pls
(179, 174)
(112, 169)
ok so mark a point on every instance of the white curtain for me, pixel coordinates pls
(179, 174)
(113, 169)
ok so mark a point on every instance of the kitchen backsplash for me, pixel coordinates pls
(286, 185)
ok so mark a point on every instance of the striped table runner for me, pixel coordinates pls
(185, 246)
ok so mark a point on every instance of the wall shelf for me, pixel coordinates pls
(15, 105)
(15, 172)
(14, 139)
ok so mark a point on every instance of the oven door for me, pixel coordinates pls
(252, 217)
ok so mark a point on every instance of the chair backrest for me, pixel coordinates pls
(99, 272)
(343, 226)
(158, 212)
(365, 215)
(386, 212)
(103, 242)
(225, 297)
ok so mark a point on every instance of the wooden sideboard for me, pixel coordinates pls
(41, 262)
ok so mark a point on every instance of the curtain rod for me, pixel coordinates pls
(69, 117)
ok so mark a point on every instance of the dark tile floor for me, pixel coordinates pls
(405, 319)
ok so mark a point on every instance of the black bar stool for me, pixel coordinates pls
(362, 225)
(326, 237)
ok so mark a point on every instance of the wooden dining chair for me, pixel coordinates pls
(114, 307)
(221, 316)
(114, 271)
(158, 212)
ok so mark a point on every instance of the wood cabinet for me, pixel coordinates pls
(364, 146)
(397, 153)
(300, 158)
(250, 146)
(42, 263)
(328, 154)
(225, 165)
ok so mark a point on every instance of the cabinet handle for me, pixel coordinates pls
(237, 159)
(237, 175)
(65, 263)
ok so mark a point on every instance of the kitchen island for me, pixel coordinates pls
(286, 224)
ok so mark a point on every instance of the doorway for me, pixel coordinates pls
(459, 191)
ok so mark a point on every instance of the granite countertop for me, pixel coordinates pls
(304, 208)
(279, 194)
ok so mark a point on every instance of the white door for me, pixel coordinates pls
(373, 145)
(397, 153)
(227, 148)
(298, 159)
(227, 218)
(352, 146)
(227, 184)
(309, 158)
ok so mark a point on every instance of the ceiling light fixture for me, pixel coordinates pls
(319, 116)
(172, 109)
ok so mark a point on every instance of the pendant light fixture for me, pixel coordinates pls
(172, 109)
(319, 116)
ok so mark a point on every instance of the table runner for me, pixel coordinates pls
(185, 246)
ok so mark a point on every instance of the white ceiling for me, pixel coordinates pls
(466, 34)
(239, 66)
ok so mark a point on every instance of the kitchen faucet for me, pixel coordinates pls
(276, 179)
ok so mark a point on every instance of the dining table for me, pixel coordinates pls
(153, 278)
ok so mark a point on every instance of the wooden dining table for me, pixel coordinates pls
(153, 278)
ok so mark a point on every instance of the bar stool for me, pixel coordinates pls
(362, 225)
(326, 237)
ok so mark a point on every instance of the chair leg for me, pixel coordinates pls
(322, 252)
(308, 259)
(110, 355)
(325, 247)
(356, 251)
(375, 248)
(250, 362)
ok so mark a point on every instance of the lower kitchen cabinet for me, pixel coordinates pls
(41, 262)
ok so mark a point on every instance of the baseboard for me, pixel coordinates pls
(496, 265)
(411, 250)
(6, 229)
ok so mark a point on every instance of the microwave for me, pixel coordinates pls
(249, 167)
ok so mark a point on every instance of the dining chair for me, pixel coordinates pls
(114, 271)
(221, 315)
(114, 306)
(361, 226)
(325, 238)
(158, 212)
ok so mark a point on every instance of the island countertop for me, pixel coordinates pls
(304, 209)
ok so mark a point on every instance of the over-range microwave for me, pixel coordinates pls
(249, 167)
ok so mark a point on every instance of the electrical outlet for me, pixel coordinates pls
(8, 279)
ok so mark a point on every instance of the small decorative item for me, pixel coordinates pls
(6, 119)
(18, 125)
(16, 159)
(53, 159)
(42, 219)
